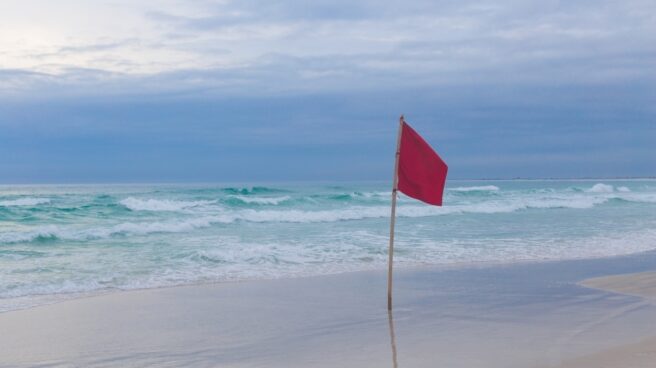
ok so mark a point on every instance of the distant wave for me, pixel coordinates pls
(28, 201)
(53, 232)
(483, 188)
(136, 204)
(376, 194)
(358, 195)
(601, 188)
(636, 197)
(408, 210)
(252, 190)
(261, 200)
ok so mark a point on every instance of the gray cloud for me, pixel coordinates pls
(514, 88)
(331, 45)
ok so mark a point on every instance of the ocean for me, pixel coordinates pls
(66, 241)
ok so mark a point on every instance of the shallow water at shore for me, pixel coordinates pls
(528, 315)
(67, 241)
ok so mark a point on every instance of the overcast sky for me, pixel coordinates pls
(225, 91)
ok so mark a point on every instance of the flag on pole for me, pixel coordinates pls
(419, 173)
(422, 173)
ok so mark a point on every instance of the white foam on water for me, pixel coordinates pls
(601, 188)
(637, 197)
(261, 200)
(65, 287)
(220, 242)
(483, 188)
(30, 234)
(28, 201)
(223, 216)
(377, 194)
(136, 204)
(231, 259)
(574, 202)
(294, 216)
(53, 232)
(522, 249)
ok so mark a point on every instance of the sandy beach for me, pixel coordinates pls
(523, 315)
(233, 184)
(641, 354)
(642, 284)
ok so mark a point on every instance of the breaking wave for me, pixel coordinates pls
(53, 233)
(120, 237)
(136, 204)
(252, 190)
(636, 197)
(601, 188)
(24, 202)
(261, 200)
(482, 188)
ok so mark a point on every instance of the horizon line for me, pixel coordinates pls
(586, 178)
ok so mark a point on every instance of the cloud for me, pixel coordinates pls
(327, 45)
(513, 88)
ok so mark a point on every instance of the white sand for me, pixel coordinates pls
(455, 319)
(639, 284)
(637, 355)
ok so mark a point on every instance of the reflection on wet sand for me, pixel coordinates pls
(390, 317)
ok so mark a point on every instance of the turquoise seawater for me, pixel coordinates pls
(65, 241)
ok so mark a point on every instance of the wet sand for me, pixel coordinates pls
(522, 315)
(642, 284)
(641, 354)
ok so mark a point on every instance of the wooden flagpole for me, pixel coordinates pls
(395, 182)
(390, 319)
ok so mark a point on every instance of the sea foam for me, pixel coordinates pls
(482, 188)
(28, 201)
(351, 213)
(123, 237)
(261, 200)
(601, 188)
(136, 204)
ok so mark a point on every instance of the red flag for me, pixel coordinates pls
(422, 173)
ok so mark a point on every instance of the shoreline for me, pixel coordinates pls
(456, 317)
(632, 355)
(641, 284)
(462, 266)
